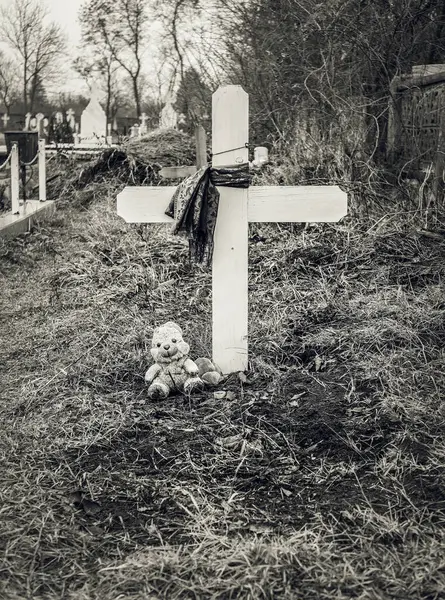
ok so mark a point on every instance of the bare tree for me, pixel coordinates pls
(37, 45)
(9, 82)
(188, 24)
(327, 57)
(117, 28)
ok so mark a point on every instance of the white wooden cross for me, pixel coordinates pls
(237, 207)
(71, 117)
(5, 119)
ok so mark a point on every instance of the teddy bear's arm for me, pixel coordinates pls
(152, 372)
(191, 367)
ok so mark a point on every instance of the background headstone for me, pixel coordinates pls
(143, 127)
(40, 118)
(71, 117)
(169, 117)
(93, 121)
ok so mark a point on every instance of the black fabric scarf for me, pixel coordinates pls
(194, 206)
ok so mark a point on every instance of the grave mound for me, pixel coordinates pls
(136, 162)
(165, 147)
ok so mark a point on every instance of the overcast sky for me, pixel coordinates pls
(64, 12)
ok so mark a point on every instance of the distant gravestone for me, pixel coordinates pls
(93, 122)
(40, 117)
(143, 127)
(134, 130)
(71, 117)
(5, 119)
(76, 134)
(169, 117)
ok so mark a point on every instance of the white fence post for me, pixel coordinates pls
(15, 206)
(42, 171)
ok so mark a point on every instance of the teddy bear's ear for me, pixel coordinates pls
(173, 325)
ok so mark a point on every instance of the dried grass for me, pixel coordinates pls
(323, 478)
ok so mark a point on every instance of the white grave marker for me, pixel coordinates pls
(5, 119)
(237, 207)
(71, 117)
(169, 117)
(134, 130)
(40, 117)
(93, 121)
(143, 128)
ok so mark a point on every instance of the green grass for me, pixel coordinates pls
(323, 478)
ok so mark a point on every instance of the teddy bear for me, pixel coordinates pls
(173, 370)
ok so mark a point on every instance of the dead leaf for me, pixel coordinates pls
(230, 441)
(242, 377)
(75, 497)
(255, 447)
(90, 507)
(230, 396)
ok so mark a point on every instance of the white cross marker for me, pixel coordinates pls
(143, 118)
(237, 207)
(5, 119)
(70, 114)
(39, 123)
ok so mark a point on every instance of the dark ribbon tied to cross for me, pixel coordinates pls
(194, 206)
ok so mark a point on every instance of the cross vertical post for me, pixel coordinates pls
(230, 135)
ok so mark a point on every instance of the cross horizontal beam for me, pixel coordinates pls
(266, 204)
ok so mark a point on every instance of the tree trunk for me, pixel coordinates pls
(32, 93)
(25, 90)
(137, 99)
(109, 91)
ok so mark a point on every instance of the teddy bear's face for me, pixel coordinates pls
(168, 345)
